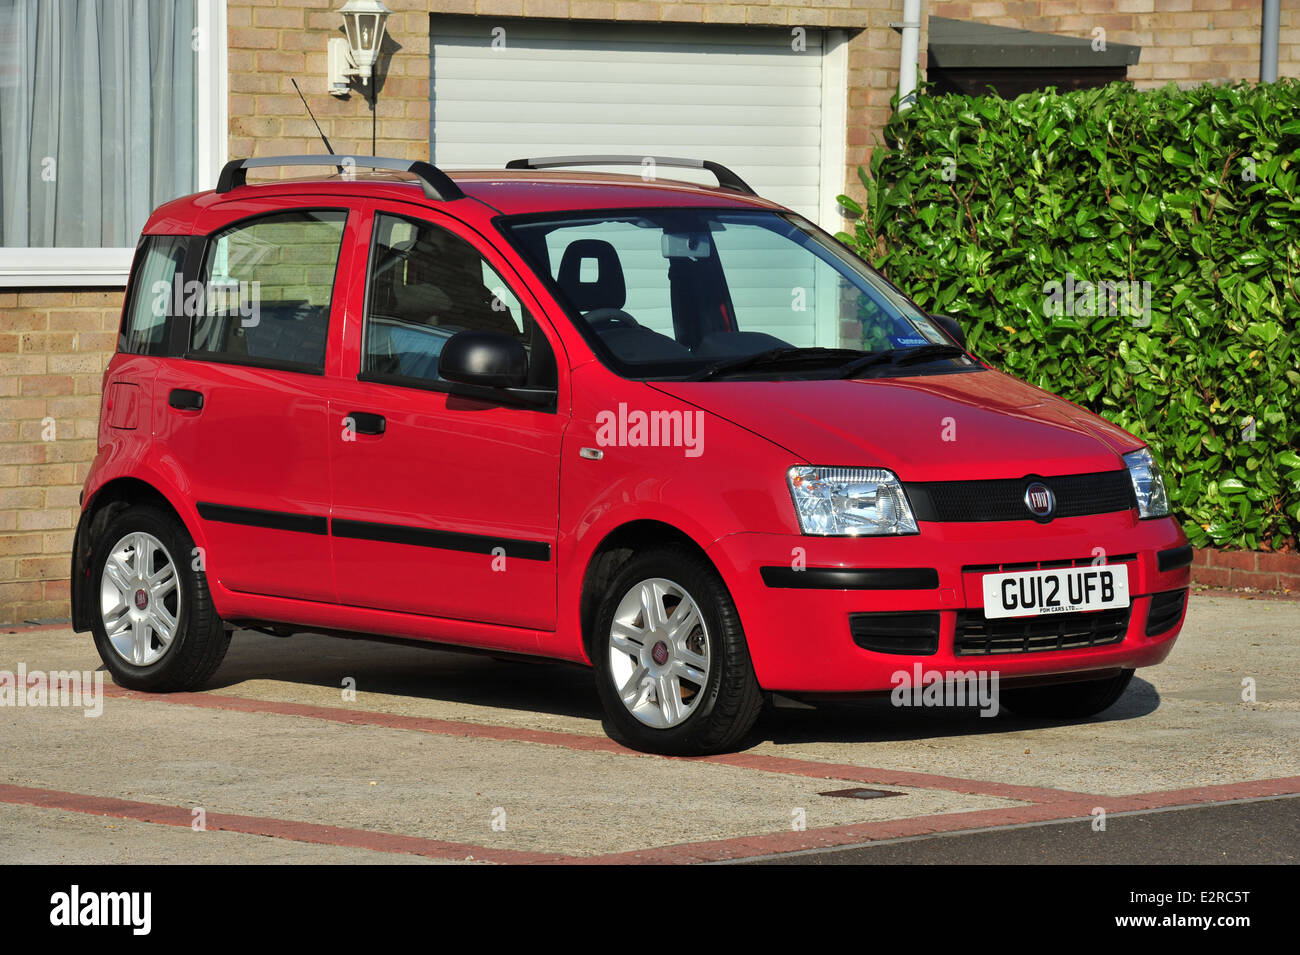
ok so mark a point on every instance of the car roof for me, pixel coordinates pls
(508, 192)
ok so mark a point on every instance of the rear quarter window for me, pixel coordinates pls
(148, 316)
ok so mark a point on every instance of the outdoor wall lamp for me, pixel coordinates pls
(363, 20)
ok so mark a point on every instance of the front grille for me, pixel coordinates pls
(1166, 609)
(1043, 564)
(1077, 495)
(977, 636)
(916, 634)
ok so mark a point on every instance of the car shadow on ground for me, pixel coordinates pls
(417, 672)
(412, 671)
(879, 721)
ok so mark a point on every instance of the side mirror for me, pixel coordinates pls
(952, 327)
(489, 359)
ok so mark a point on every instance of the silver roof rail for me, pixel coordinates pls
(726, 178)
(436, 183)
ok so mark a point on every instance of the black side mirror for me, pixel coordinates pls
(489, 359)
(952, 327)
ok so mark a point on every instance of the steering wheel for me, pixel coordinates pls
(602, 318)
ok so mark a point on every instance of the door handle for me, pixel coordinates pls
(365, 423)
(185, 399)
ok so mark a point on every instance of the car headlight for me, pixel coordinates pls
(849, 501)
(1148, 485)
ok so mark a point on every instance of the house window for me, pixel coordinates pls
(106, 112)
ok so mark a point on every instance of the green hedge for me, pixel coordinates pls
(977, 205)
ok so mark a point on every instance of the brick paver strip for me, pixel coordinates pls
(263, 826)
(1040, 804)
(597, 744)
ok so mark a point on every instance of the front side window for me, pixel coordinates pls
(425, 285)
(266, 289)
(681, 293)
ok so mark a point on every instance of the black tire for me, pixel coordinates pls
(200, 639)
(1067, 700)
(727, 705)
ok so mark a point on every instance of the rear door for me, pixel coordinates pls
(241, 420)
(446, 498)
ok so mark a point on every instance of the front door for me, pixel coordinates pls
(446, 499)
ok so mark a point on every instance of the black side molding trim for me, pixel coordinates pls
(852, 578)
(1174, 558)
(442, 540)
(275, 520)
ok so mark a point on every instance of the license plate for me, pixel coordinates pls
(1032, 593)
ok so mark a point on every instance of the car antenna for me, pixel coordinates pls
(313, 117)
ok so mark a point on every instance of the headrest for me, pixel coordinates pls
(607, 290)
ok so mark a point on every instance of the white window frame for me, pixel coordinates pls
(835, 133)
(101, 267)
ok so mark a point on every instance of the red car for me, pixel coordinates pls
(671, 431)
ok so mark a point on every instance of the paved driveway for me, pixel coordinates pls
(450, 758)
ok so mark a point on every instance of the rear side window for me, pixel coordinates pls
(146, 323)
(268, 284)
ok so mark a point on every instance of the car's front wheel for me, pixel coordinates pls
(672, 666)
(1067, 700)
(154, 623)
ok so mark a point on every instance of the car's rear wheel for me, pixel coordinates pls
(1067, 700)
(154, 623)
(672, 667)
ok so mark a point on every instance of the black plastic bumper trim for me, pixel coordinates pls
(851, 578)
(1174, 558)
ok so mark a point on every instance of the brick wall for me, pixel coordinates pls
(1278, 573)
(1183, 41)
(54, 345)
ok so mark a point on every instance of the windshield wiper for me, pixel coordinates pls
(901, 356)
(773, 356)
(910, 356)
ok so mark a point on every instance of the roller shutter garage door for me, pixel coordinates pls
(505, 89)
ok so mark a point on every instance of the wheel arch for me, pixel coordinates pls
(613, 551)
(107, 502)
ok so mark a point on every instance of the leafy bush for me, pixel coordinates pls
(1010, 214)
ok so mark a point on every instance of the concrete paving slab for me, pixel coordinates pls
(551, 799)
(31, 836)
(1183, 724)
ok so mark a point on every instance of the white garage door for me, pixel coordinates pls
(744, 97)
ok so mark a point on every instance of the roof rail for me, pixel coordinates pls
(726, 178)
(436, 183)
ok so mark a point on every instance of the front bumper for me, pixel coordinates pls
(800, 638)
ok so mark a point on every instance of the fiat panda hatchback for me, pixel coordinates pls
(670, 431)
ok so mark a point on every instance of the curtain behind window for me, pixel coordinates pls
(97, 118)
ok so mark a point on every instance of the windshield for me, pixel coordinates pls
(709, 293)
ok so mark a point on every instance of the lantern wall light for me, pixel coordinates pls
(363, 21)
